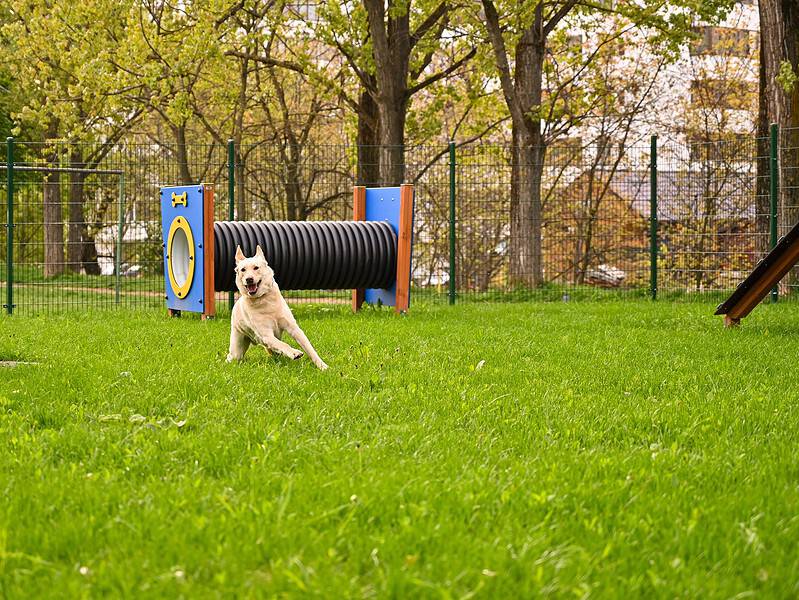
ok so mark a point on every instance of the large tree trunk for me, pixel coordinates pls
(182, 154)
(239, 173)
(526, 268)
(525, 257)
(779, 42)
(392, 142)
(368, 141)
(391, 42)
(295, 210)
(81, 252)
(53, 223)
(522, 91)
(789, 152)
(762, 202)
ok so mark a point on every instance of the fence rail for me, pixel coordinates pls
(648, 219)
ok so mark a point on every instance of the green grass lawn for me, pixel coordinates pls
(498, 451)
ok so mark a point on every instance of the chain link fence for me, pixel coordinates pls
(87, 228)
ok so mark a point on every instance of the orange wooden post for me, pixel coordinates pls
(358, 214)
(209, 297)
(404, 249)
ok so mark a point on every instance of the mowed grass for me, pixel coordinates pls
(498, 451)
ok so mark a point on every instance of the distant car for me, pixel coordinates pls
(127, 270)
(605, 276)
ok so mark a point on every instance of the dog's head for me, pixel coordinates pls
(254, 277)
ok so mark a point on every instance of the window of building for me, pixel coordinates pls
(574, 42)
(720, 41)
(303, 9)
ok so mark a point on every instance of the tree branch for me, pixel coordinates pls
(501, 56)
(269, 61)
(441, 74)
(430, 22)
(559, 14)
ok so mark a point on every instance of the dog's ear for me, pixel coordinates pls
(239, 255)
(259, 253)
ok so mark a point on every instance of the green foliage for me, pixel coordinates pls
(61, 56)
(787, 77)
(611, 450)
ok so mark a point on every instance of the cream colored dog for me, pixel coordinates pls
(261, 315)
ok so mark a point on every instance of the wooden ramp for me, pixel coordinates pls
(762, 279)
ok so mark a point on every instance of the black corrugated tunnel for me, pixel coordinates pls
(310, 255)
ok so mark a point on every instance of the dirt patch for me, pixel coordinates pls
(15, 363)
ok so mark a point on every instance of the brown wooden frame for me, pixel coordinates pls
(404, 238)
(209, 299)
(358, 214)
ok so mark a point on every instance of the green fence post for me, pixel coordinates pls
(452, 233)
(653, 218)
(9, 305)
(774, 178)
(120, 233)
(231, 190)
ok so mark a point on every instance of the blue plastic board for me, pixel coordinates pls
(383, 204)
(193, 213)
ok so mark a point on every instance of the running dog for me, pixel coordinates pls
(261, 315)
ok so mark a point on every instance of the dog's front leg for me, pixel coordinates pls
(238, 345)
(299, 335)
(276, 345)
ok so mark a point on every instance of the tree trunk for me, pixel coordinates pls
(295, 211)
(789, 151)
(239, 173)
(368, 141)
(392, 142)
(526, 267)
(53, 223)
(88, 255)
(182, 154)
(779, 42)
(763, 166)
(525, 257)
(76, 227)
(391, 42)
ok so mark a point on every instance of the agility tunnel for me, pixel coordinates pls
(370, 255)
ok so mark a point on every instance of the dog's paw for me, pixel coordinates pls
(322, 365)
(295, 354)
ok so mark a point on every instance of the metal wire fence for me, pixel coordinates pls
(789, 197)
(713, 215)
(87, 232)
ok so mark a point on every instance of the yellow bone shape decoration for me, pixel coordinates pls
(182, 199)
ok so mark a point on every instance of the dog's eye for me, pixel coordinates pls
(255, 268)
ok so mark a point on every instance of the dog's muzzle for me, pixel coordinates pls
(251, 285)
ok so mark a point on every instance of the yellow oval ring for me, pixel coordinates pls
(180, 224)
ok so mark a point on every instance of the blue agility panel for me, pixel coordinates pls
(182, 211)
(383, 204)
